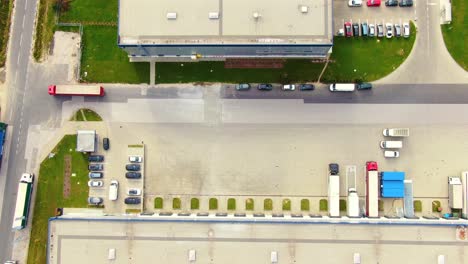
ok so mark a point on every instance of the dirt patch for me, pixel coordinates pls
(66, 175)
(66, 50)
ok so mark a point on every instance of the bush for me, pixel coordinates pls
(249, 204)
(158, 203)
(231, 204)
(342, 205)
(323, 205)
(176, 204)
(194, 204)
(305, 205)
(287, 205)
(417, 206)
(268, 204)
(213, 204)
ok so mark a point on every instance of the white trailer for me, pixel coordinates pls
(372, 194)
(23, 200)
(396, 132)
(334, 195)
(353, 203)
(464, 179)
(455, 193)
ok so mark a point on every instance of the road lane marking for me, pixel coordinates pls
(24, 19)
(21, 40)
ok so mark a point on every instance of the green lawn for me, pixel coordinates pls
(91, 11)
(176, 203)
(89, 115)
(49, 193)
(213, 204)
(45, 27)
(323, 205)
(286, 205)
(456, 33)
(194, 204)
(249, 204)
(158, 203)
(5, 12)
(231, 204)
(268, 205)
(305, 205)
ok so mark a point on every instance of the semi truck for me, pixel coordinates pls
(334, 195)
(353, 203)
(396, 132)
(372, 194)
(23, 200)
(3, 130)
(76, 89)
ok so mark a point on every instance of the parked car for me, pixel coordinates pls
(289, 87)
(243, 87)
(133, 167)
(95, 183)
(364, 86)
(132, 200)
(389, 32)
(306, 87)
(355, 3)
(371, 166)
(95, 175)
(265, 87)
(371, 30)
(134, 192)
(96, 158)
(380, 31)
(105, 143)
(95, 167)
(132, 175)
(95, 200)
(356, 29)
(391, 3)
(11, 262)
(135, 159)
(364, 29)
(406, 30)
(373, 2)
(333, 168)
(397, 30)
(348, 30)
(391, 154)
(406, 3)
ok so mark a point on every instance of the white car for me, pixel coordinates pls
(391, 154)
(406, 30)
(389, 33)
(135, 159)
(371, 30)
(289, 87)
(355, 3)
(134, 192)
(95, 183)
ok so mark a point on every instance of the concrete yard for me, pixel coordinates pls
(136, 242)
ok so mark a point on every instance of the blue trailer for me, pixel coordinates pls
(392, 185)
(393, 176)
(3, 128)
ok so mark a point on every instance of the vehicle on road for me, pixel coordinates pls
(364, 86)
(132, 200)
(391, 154)
(113, 190)
(406, 3)
(11, 262)
(380, 30)
(364, 29)
(356, 29)
(95, 175)
(243, 87)
(134, 192)
(406, 30)
(289, 87)
(348, 30)
(95, 167)
(96, 158)
(265, 87)
(23, 201)
(373, 2)
(76, 89)
(133, 167)
(372, 166)
(391, 3)
(3, 129)
(92, 183)
(389, 32)
(132, 175)
(135, 159)
(397, 30)
(95, 200)
(342, 87)
(371, 30)
(391, 144)
(306, 87)
(354, 3)
(396, 132)
(333, 169)
(105, 143)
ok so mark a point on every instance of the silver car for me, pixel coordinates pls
(406, 30)
(389, 32)
(371, 30)
(380, 31)
(95, 200)
(397, 30)
(95, 183)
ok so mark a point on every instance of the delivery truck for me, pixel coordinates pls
(391, 144)
(396, 132)
(76, 89)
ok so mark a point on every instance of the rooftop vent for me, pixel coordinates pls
(171, 15)
(213, 15)
(304, 9)
(256, 15)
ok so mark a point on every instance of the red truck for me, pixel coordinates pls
(82, 90)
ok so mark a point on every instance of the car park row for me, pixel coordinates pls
(344, 87)
(380, 30)
(375, 3)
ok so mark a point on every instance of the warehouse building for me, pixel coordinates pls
(168, 30)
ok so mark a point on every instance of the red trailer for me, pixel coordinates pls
(80, 90)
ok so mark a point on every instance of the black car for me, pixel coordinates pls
(306, 87)
(132, 175)
(132, 200)
(105, 143)
(133, 167)
(334, 168)
(95, 167)
(265, 87)
(406, 3)
(391, 3)
(96, 158)
(356, 29)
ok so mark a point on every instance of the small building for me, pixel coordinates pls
(86, 141)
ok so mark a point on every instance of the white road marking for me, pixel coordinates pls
(21, 40)
(24, 19)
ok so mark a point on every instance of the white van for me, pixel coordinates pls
(111, 255)
(391, 154)
(113, 190)
(342, 87)
(391, 144)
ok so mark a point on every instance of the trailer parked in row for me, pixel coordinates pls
(396, 132)
(23, 201)
(80, 90)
